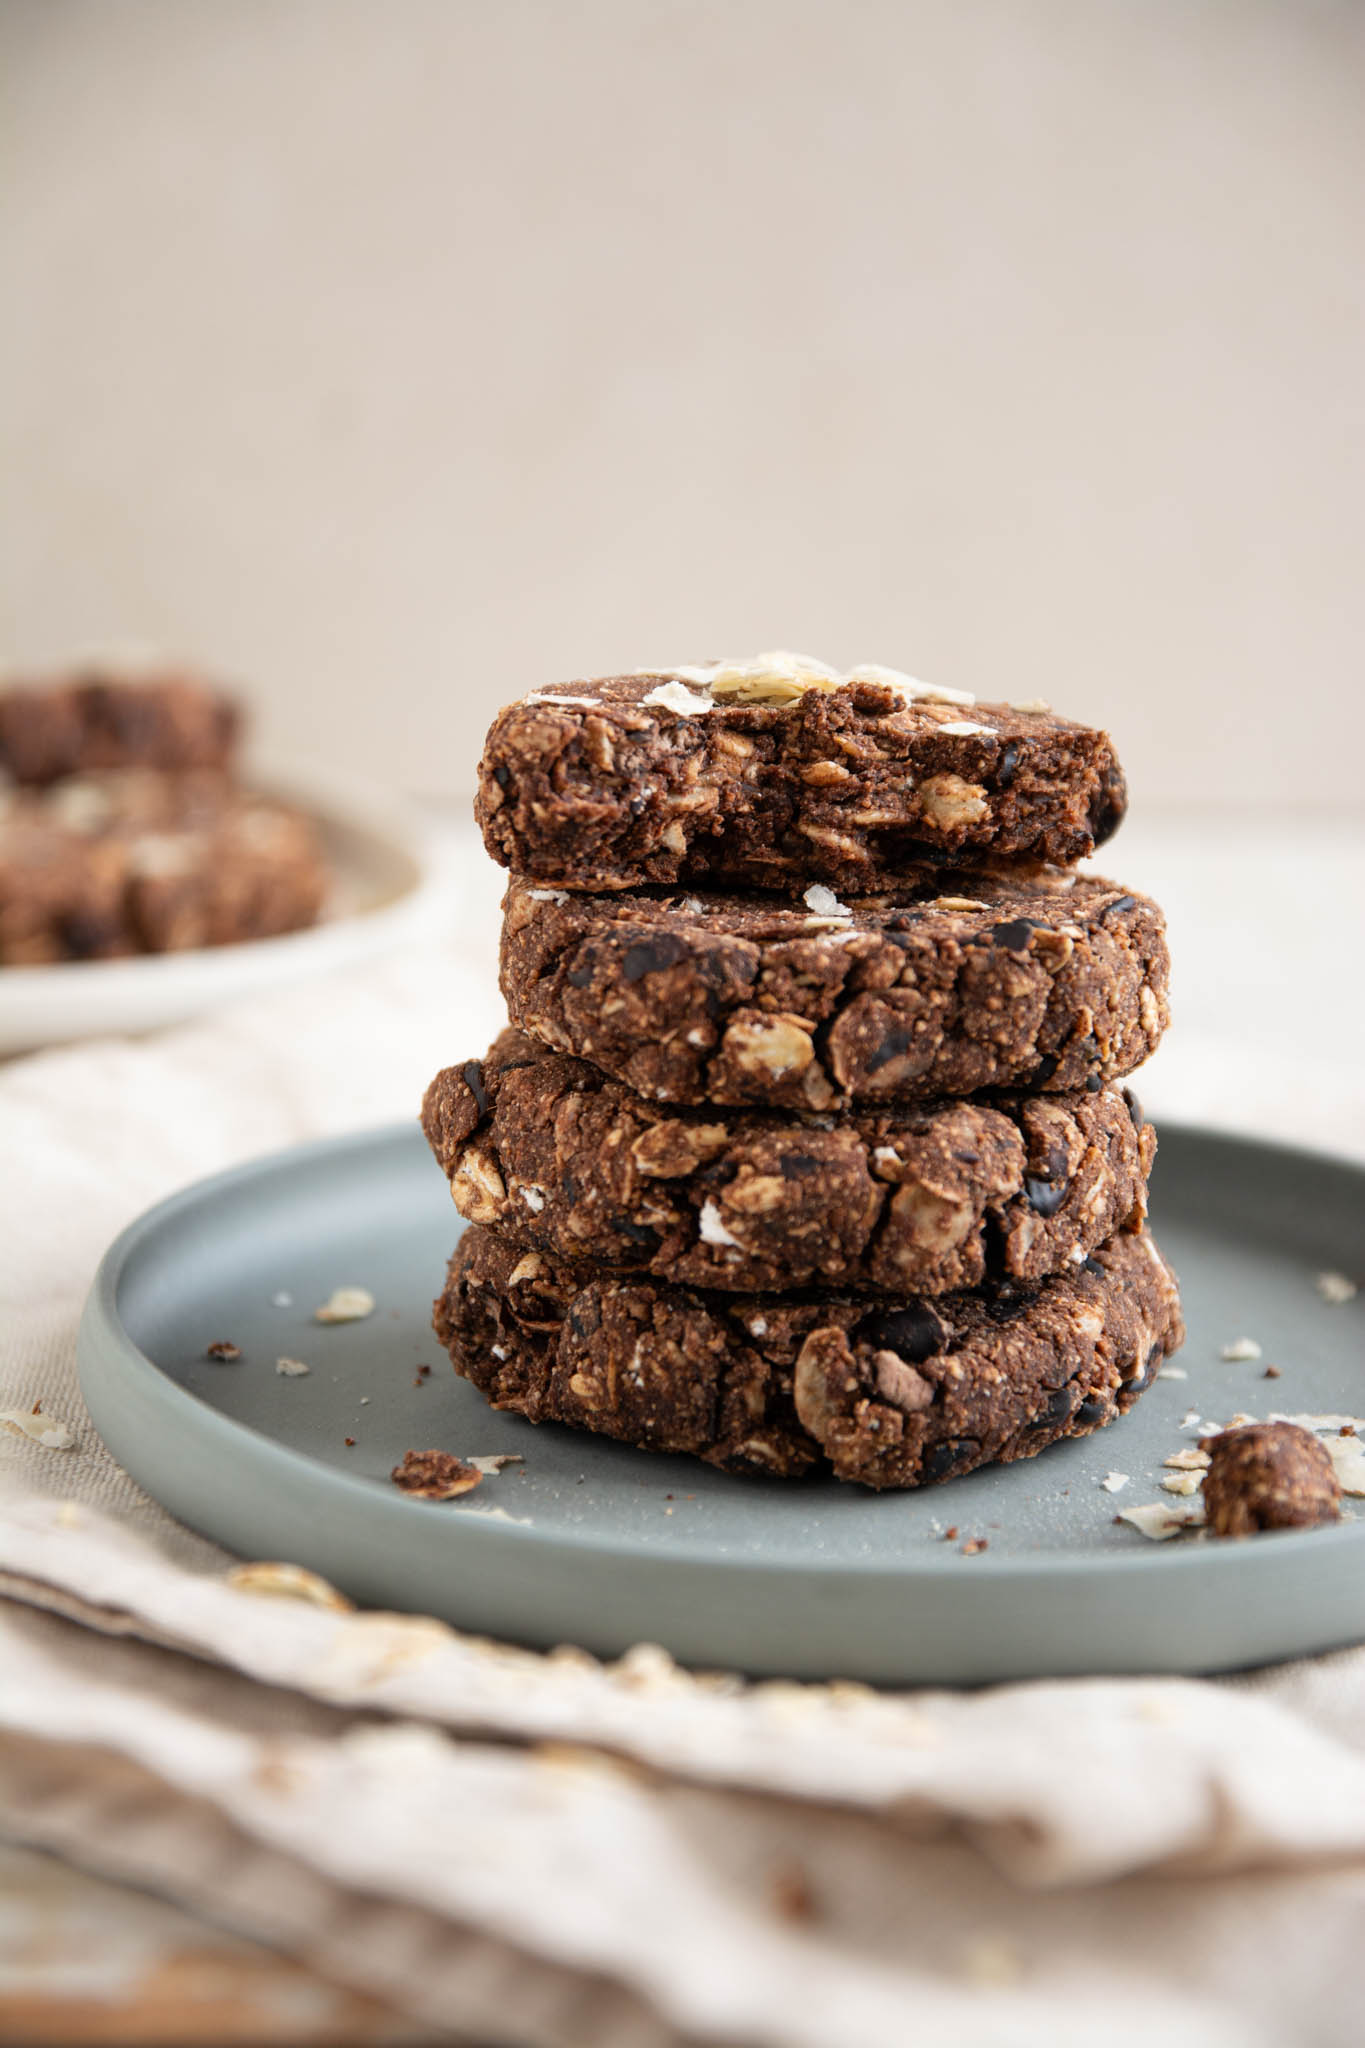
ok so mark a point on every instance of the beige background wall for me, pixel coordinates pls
(400, 356)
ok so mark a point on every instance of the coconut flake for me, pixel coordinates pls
(291, 1368)
(826, 904)
(345, 1305)
(676, 697)
(960, 728)
(39, 1427)
(1336, 1288)
(1114, 1482)
(1159, 1520)
(709, 1226)
(1240, 1348)
(907, 687)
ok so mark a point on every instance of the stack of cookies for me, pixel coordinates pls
(806, 1148)
(123, 828)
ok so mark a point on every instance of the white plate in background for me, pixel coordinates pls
(386, 889)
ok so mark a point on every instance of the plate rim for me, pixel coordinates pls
(101, 1325)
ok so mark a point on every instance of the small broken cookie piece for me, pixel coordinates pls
(780, 773)
(436, 1475)
(1269, 1475)
(223, 1352)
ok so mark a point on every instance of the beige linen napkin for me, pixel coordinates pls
(518, 1848)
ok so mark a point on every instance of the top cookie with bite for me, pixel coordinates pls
(779, 772)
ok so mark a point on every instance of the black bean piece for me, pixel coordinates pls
(83, 936)
(1058, 1409)
(1009, 761)
(502, 775)
(995, 1245)
(1006, 1302)
(471, 1073)
(892, 1046)
(1094, 1083)
(799, 1166)
(946, 1458)
(1046, 1068)
(638, 1233)
(649, 956)
(580, 977)
(1045, 1197)
(1092, 1411)
(913, 1332)
(1119, 903)
(1015, 933)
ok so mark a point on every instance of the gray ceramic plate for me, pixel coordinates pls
(597, 1544)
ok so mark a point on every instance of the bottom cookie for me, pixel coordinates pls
(892, 1394)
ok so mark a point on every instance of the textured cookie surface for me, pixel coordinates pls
(646, 779)
(562, 1159)
(1049, 983)
(892, 1394)
(99, 719)
(134, 861)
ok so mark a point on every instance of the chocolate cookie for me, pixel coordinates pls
(563, 1160)
(101, 718)
(893, 1394)
(1050, 983)
(140, 862)
(759, 778)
